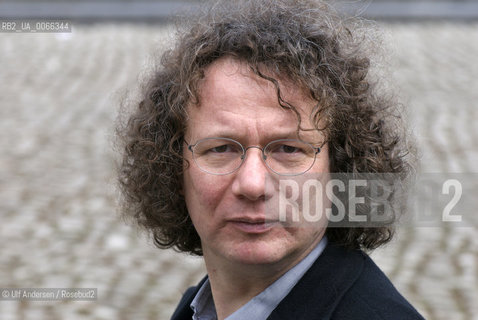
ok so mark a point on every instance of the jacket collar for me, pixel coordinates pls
(318, 292)
(183, 310)
(323, 285)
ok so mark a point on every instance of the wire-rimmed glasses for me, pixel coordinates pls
(220, 156)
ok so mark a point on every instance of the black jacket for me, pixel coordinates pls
(341, 284)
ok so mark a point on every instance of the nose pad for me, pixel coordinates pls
(261, 155)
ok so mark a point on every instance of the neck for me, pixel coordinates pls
(233, 284)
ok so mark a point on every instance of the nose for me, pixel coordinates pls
(250, 180)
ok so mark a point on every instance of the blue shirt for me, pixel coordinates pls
(261, 306)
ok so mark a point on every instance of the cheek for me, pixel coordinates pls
(203, 193)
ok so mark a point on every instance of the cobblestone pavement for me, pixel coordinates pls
(59, 227)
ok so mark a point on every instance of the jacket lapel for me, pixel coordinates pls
(322, 286)
(183, 310)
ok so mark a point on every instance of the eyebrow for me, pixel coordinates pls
(306, 136)
(243, 135)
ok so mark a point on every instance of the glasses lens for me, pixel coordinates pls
(289, 156)
(218, 155)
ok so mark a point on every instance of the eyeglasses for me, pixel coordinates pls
(220, 156)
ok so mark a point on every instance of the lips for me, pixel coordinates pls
(251, 225)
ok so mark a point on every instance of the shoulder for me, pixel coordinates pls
(346, 285)
(373, 296)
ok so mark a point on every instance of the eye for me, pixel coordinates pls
(287, 149)
(215, 147)
(222, 148)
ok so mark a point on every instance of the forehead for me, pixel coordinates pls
(229, 73)
(234, 100)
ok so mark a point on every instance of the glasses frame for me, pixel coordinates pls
(244, 153)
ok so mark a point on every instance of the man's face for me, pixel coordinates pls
(225, 209)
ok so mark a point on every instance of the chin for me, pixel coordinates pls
(256, 253)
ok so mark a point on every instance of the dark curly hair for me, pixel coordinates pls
(306, 42)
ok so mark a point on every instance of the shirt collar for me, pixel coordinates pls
(203, 304)
(259, 307)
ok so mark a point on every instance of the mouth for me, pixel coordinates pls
(252, 225)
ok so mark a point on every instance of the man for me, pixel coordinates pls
(255, 92)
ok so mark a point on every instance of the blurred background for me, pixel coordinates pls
(59, 97)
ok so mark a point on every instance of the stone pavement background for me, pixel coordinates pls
(59, 95)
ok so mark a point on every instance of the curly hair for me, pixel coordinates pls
(308, 43)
